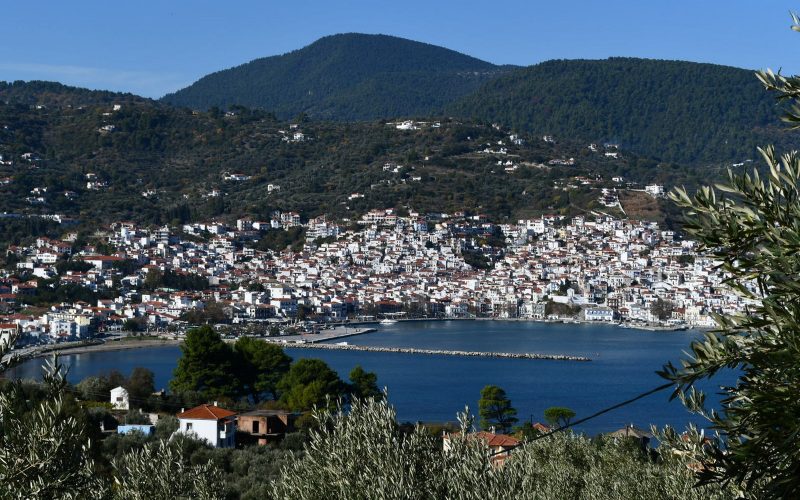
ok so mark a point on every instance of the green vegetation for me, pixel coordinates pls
(495, 410)
(669, 110)
(558, 415)
(46, 451)
(207, 366)
(309, 383)
(140, 384)
(260, 367)
(280, 239)
(364, 384)
(162, 165)
(156, 279)
(749, 224)
(662, 309)
(476, 259)
(255, 371)
(364, 454)
(344, 77)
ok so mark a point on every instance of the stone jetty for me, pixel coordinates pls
(439, 352)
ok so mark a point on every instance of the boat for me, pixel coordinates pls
(388, 321)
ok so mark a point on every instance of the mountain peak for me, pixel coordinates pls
(345, 76)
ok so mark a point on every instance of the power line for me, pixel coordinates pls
(586, 419)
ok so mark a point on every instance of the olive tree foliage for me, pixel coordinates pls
(751, 226)
(43, 453)
(364, 455)
(336, 465)
(158, 470)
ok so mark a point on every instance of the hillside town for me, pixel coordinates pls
(587, 268)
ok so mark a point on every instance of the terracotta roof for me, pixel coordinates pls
(206, 412)
(492, 440)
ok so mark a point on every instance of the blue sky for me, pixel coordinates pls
(153, 47)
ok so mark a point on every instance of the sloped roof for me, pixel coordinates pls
(206, 412)
(631, 431)
(491, 440)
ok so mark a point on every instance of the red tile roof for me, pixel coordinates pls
(207, 412)
(492, 440)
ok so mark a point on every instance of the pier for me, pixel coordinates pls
(439, 352)
(339, 332)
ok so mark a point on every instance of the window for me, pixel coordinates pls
(188, 426)
(255, 426)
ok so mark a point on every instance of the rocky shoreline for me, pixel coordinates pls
(439, 352)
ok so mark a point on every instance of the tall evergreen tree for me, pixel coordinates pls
(495, 409)
(308, 383)
(261, 366)
(364, 384)
(207, 365)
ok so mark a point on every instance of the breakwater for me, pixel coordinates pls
(440, 352)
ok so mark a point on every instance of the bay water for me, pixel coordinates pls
(433, 388)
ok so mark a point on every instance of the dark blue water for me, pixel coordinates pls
(435, 388)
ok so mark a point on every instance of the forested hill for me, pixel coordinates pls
(669, 110)
(42, 93)
(144, 161)
(345, 77)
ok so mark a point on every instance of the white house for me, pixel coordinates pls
(7, 331)
(119, 398)
(655, 190)
(210, 423)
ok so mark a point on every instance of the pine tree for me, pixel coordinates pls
(207, 365)
(495, 409)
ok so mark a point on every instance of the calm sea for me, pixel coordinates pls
(434, 388)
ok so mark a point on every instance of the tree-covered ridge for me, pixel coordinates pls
(669, 110)
(43, 93)
(345, 77)
(151, 163)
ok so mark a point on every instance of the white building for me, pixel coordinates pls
(119, 398)
(598, 314)
(209, 423)
(654, 190)
(7, 330)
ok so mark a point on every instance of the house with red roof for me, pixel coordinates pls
(498, 446)
(209, 423)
